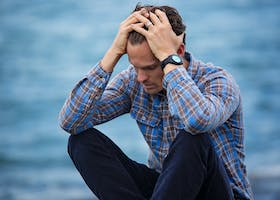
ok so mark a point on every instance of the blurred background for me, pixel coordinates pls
(47, 46)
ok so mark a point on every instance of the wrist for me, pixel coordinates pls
(170, 67)
(115, 52)
(109, 60)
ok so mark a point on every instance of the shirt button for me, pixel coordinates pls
(144, 118)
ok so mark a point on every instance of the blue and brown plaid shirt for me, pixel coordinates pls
(203, 98)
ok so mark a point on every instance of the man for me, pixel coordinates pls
(189, 112)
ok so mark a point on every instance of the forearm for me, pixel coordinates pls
(110, 60)
(74, 115)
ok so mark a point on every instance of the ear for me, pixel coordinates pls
(181, 50)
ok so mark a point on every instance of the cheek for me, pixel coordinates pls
(158, 77)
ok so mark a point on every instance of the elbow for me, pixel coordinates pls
(68, 130)
(74, 126)
(65, 126)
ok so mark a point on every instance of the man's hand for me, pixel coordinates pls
(120, 42)
(118, 47)
(161, 38)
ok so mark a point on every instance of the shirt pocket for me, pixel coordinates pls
(144, 116)
(177, 123)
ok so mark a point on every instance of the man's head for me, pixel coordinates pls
(147, 66)
(173, 16)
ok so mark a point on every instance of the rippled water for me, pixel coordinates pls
(47, 46)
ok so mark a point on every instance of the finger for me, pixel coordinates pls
(154, 18)
(144, 12)
(131, 18)
(162, 16)
(148, 24)
(141, 18)
(139, 28)
(130, 21)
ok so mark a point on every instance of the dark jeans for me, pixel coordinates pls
(192, 169)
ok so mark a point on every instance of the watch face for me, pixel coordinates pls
(176, 58)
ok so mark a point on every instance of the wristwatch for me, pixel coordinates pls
(172, 59)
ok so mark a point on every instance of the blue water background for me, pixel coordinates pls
(47, 46)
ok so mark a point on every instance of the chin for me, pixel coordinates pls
(152, 91)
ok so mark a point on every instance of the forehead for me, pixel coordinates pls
(140, 55)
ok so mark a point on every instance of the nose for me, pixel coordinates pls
(141, 76)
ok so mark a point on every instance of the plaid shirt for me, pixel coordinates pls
(203, 98)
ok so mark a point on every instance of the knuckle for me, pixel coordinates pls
(135, 15)
(161, 27)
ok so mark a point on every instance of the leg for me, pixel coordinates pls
(192, 170)
(107, 171)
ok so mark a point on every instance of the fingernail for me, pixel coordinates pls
(143, 10)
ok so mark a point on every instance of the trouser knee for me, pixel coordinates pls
(80, 142)
(189, 139)
(189, 149)
(187, 142)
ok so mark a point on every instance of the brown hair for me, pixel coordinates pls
(173, 16)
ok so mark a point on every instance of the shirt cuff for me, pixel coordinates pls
(97, 74)
(172, 78)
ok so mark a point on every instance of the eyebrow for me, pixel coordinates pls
(154, 65)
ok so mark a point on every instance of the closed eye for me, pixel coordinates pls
(152, 67)
(148, 68)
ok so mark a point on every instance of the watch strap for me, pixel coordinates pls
(171, 59)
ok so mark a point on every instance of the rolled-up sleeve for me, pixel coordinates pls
(90, 103)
